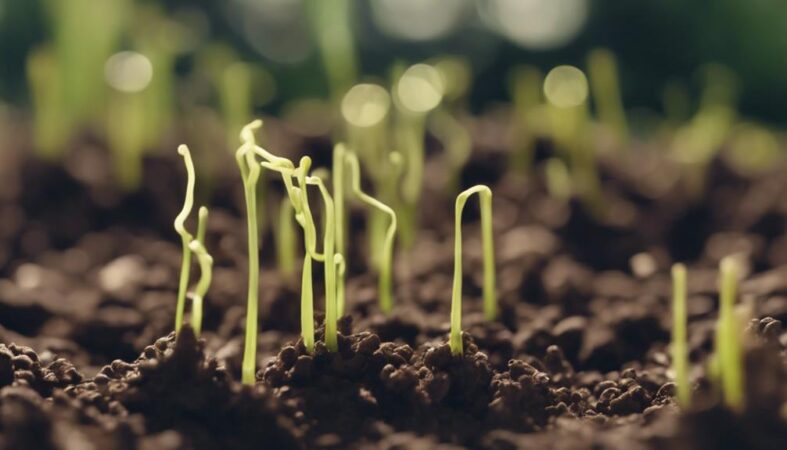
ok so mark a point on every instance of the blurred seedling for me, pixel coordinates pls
(490, 302)
(566, 89)
(680, 352)
(605, 86)
(729, 347)
(331, 23)
(525, 86)
(385, 290)
(417, 92)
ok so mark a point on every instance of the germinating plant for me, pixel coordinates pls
(680, 353)
(490, 303)
(729, 353)
(185, 236)
(386, 263)
(206, 271)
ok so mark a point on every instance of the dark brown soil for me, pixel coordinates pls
(578, 359)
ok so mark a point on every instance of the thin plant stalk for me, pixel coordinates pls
(384, 287)
(307, 304)
(250, 172)
(680, 354)
(339, 152)
(490, 307)
(185, 236)
(331, 331)
(728, 345)
(206, 272)
(286, 241)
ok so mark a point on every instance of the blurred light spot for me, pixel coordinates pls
(566, 86)
(365, 105)
(643, 265)
(128, 71)
(122, 272)
(457, 75)
(29, 276)
(420, 88)
(418, 20)
(536, 24)
(277, 29)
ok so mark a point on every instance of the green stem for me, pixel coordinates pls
(307, 305)
(727, 342)
(185, 236)
(490, 308)
(331, 338)
(206, 272)
(680, 355)
(286, 244)
(338, 194)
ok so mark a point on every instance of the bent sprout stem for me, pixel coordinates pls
(250, 172)
(385, 289)
(728, 346)
(490, 304)
(680, 355)
(185, 236)
(206, 272)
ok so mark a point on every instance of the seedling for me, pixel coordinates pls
(341, 222)
(604, 82)
(206, 271)
(526, 92)
(50, 122)
(185, 236)
(384, 286)
(250, 173)
(680, 354)
(285, 240)
(728, 345)
(490, 303)
(331, 24)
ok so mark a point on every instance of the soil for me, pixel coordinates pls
(578, 359)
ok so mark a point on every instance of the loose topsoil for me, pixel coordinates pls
(578, 359)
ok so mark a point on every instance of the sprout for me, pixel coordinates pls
(185, 236)
(558, 180)
(490, 304)
(680, 354)
(385, 290)
(603, 69)
(250, 172)
(525, 87)
(728, 345)
(341, 222)
(206, 271)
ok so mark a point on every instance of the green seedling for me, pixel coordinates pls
(384, 286)
(340, 214)
(680, 353)
(526, 93)
(50, 122)
(604, 82)
(206, 270)
(558, 180)
(185, 236)
(729, 352)
(250, 173)
(490, 302)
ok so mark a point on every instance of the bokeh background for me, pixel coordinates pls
(658, 43)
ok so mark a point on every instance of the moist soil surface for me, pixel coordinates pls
(578, 358)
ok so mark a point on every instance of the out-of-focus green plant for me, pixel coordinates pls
(286, 243)
(605, 85)
(729, 348)
(526, 93)
(385, 290)
(417, 92)
(680, 351)
(490, 301)
(558, 180)
(332, 26)
(566, 90)
(51, 126)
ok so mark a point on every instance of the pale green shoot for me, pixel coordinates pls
(206, 272)
(680, 354)
(490, 303)
(185, 236)
(386, 264)
(728, 344)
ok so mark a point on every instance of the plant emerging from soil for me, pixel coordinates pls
(206, 271)
(185, 236)
(250, 172)
(490, 303)
(680, 354)
(386, 263)
(728, 343)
